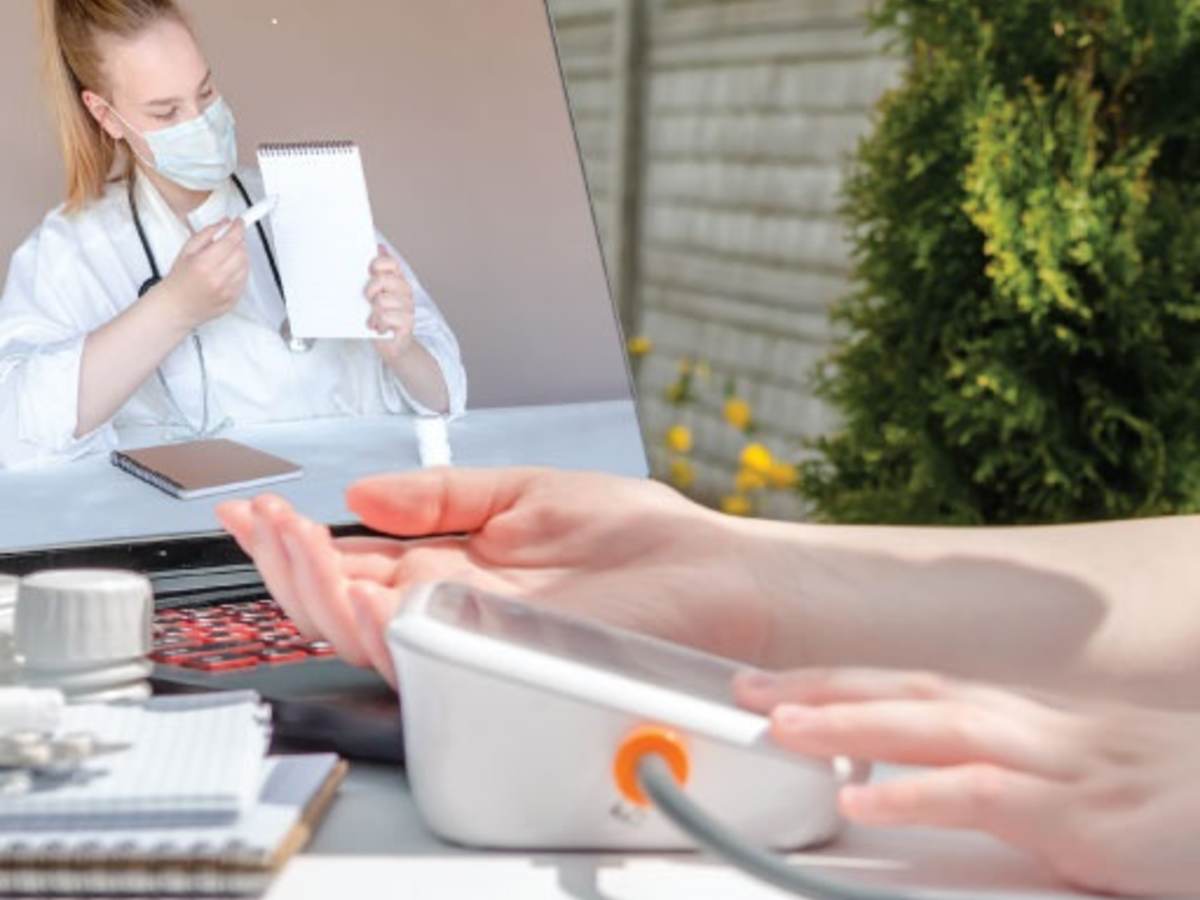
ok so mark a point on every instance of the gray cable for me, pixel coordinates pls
(658, 781)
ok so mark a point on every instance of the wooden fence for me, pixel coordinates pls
(715, 135)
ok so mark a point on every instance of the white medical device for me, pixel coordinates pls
(524, 728)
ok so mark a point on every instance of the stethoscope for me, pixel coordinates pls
(296, 345)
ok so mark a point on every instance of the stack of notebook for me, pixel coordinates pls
(192, 806)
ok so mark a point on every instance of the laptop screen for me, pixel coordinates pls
(487, 330)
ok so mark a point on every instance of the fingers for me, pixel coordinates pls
(391, 314)
(763, 691)
(385, 262)
(231, 244)
(234, 268)
(923, 733)
(315, 591)
(374, 607)
(273, 563)
(1015, 807)
(234, 237)
(385, 265)
(203, 238)
(319, 585)
(391, 298)
(237, 518)
(389, 285)
(371, 546)
(438, 501)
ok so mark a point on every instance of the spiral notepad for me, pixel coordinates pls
(186, 760)
(324, 235)
(210, 860)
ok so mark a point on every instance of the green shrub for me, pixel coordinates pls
(1023, 344)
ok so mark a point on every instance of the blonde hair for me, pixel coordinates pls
(72, 63)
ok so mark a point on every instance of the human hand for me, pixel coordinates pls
(632, 553)
(1107, 797)
(393, 307)
(209, 277)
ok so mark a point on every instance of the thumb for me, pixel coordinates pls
(438, 501)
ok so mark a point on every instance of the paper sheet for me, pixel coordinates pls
(324, 236)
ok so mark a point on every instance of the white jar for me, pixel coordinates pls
(85, 632)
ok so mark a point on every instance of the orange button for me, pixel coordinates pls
(641, 742)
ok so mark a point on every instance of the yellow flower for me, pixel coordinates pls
(683, 473)
(784, 476)
(736, 505)
(640, 345)
(737, 413)
(749, 481)
(686, 366)
(757, 458)
(679, 439)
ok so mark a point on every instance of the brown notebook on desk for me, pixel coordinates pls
(202, 468)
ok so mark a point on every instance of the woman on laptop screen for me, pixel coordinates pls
(144, 300)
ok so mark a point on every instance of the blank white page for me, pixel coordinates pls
(324, 235)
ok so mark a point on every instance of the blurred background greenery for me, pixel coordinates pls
(973, 222)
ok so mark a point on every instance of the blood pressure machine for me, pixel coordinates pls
(529, 728)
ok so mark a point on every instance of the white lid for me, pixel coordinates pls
(73, 617)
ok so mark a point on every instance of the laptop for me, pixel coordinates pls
(475, 176)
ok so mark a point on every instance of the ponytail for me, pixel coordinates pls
(71, 64)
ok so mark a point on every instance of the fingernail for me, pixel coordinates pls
(795, 718)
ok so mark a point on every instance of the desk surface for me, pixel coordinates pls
(91, 500)
(373, 844)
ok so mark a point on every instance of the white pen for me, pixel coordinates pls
(259, 210)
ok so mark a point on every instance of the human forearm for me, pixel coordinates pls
(119, 356)
(421, 376)
(1108, 610)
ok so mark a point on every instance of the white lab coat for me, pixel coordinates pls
(75, 273)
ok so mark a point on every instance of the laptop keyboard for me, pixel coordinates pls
(228, 637)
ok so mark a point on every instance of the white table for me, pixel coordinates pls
(91, 500)
(373, 844)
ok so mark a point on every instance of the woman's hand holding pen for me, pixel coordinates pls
(208, 277)
(206, 281)
(393, 307)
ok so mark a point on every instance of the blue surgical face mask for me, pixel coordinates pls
(199, 154)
